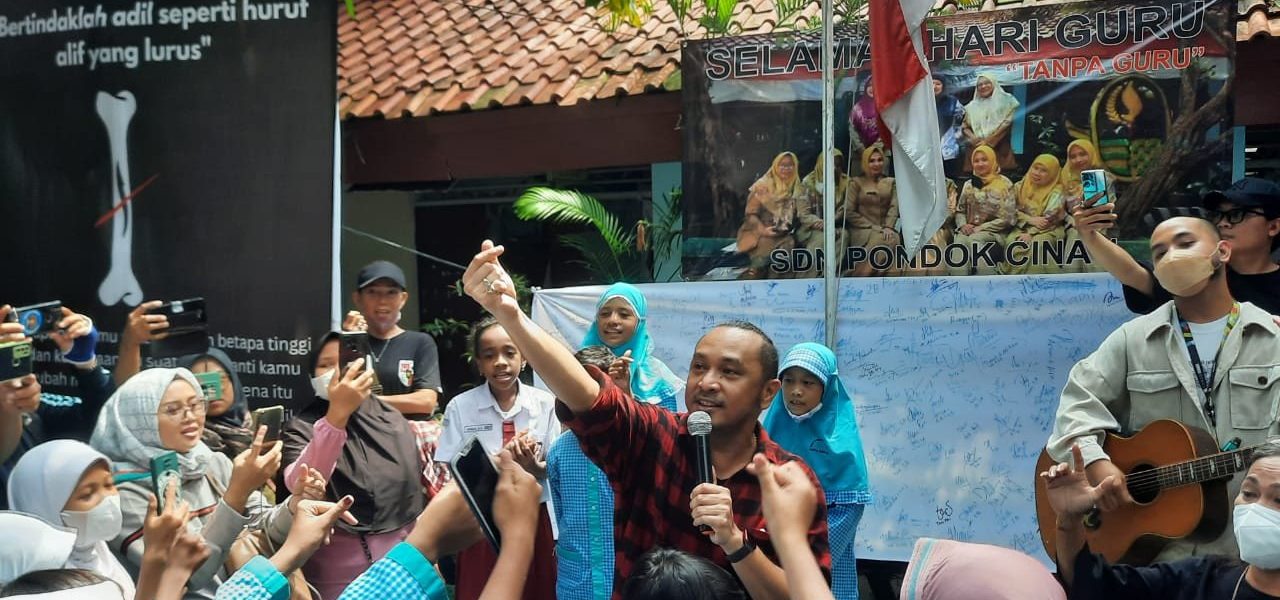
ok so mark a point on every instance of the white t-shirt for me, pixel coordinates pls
(1208, 338)
(476, 413)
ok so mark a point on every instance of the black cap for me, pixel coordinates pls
(380, 269)
(1250, 192)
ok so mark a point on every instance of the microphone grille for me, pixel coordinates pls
(699, 423)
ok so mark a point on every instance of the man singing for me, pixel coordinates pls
(647, 452)
(1202, 359)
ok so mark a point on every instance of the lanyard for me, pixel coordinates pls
(1206, 380)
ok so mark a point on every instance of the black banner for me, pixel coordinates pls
(164, 151)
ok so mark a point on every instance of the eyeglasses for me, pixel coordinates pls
(175, 410)
(1234, 216)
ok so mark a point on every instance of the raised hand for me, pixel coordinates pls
(1095, 219)
(71, 327)
(11, 332)
(354, 321)
(348, 392)
(515, 503)
(161, 527)
(488, 283)
(312, 525)
(21, 395)
(620, 371)
(1068, 489)
(527, 452)
(309, 484)
(145, 327)
(790, 499)
(251, 470)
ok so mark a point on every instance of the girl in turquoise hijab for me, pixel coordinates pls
(621, 324)
(812, 417)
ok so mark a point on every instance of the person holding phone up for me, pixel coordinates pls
(1248, 217)
(29, 417)
(365, 449)
(407, 362)
(163, 410)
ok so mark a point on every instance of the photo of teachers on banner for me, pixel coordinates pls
(1038, 109)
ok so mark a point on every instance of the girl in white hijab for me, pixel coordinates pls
(162, 410)
(17, 559)
(68, 483)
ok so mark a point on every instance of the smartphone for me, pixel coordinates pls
(164, 468)
(185, 316)
(1093, 182)
(188, 325)
(477, 477)
(37, 318)
(273, 418)
(211, 383)
(352, 345)
(15, 360)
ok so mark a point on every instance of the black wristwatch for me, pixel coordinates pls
(747, 548)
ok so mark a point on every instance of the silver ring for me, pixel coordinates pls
(488, 285)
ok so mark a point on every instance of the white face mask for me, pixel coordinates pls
(1258, 533)
(320, 384)
(98, 524)
(806, 416)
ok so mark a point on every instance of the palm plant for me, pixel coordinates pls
(610, 252)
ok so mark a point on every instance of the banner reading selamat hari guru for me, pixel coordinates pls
(1027, 100)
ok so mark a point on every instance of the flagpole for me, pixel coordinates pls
(830, 253)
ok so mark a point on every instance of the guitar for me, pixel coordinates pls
(1178, 480)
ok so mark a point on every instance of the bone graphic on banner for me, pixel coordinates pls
(120, 285)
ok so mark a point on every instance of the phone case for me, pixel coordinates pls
(164, 468)
(472, 453)
(15, 360)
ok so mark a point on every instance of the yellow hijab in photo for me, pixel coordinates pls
(993, 182)
(866, 159)
(1070, 178)
(814, 179)
(1034, 199)
(777, 186)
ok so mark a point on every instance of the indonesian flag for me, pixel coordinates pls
(909, 115)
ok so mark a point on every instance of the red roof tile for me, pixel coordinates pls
(402, 58)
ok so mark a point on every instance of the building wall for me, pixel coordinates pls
(389, 215)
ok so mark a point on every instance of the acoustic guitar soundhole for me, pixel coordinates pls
(1142, 484)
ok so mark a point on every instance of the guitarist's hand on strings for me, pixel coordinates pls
(1115, 496)
(1070, 494)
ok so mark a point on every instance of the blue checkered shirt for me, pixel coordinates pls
(583, 503)
(403, 574)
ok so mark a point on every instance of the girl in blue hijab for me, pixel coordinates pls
(812, 417)
(621, 324)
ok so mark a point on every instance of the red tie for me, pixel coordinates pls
(508, 431)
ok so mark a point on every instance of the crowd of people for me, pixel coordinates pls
(600, 491)
(986, 208)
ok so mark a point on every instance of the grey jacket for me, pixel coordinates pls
(1139, 374)
(212, 518)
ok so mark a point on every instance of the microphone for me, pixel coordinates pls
(699, 424)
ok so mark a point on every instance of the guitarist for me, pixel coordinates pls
(1257, 529)
(1202, 359)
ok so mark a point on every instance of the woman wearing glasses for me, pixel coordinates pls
(1247, 215)
(163, 410)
